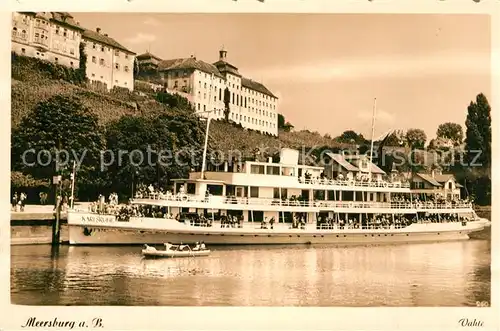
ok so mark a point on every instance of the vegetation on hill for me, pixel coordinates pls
(105, 122)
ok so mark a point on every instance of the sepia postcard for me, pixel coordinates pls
(250, 164)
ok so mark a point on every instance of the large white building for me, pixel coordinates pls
(108, 62)
(56, 37)
(51, 36)
(206, 85)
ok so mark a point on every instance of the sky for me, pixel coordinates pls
(327, 69)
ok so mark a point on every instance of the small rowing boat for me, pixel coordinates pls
(172, 251)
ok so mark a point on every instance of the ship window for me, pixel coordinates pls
(215, 189)
(191, 188)
(257, 169)
(273, 170)
(276, 193)
(254, 192)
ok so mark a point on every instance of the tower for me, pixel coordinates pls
(222, 54)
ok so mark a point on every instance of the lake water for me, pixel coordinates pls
(429, 274)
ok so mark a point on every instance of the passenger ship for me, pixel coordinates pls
(348, 200)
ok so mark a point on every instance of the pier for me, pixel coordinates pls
(34, 225)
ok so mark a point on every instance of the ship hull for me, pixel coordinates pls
(107, 231)
(134, 237)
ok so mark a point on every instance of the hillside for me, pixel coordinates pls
(34, 81)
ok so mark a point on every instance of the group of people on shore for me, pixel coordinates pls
(18, 201)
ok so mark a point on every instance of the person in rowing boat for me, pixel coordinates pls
(197, 247)
(202, 246)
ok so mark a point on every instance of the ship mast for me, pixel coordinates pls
(373, 135)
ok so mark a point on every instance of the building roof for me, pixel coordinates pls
(224, 66)
(65, 18)
(147, 55)
(189, 63)
(376, 170)
(342, 162)
(443, 178)
(429, 179)
(101, 38)
(61, 18)
(218, 68)
(253, 85)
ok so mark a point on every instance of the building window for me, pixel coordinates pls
(93, 75)
(117, 53)
(204, 107)
(220, 94)
(198, 106)
(101, 62)
(116, 81)
(72, 51)
(23, 50)
(56, 59)
(102, 48)
(93, 46)
(94, 59)
(65, 33)
(125, 68)
(126, 56)
(117, 66)
(71, 63)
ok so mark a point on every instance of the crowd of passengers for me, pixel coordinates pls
(345, 180)
(385, 221)
(428, 201)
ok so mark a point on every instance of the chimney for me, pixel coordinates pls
(98, 30)
(433, 173)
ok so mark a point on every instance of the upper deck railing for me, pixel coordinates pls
(187, 199)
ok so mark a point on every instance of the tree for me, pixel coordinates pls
(165, 145)
(282, 125)
(136, 68)
(174, 100)
(452, 131)
(60, 126)
(82, 70)
(227, 100)
(416, 138)
(478, 132)
(281, 121)
(351, 137)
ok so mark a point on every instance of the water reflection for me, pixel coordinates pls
(434, 274)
